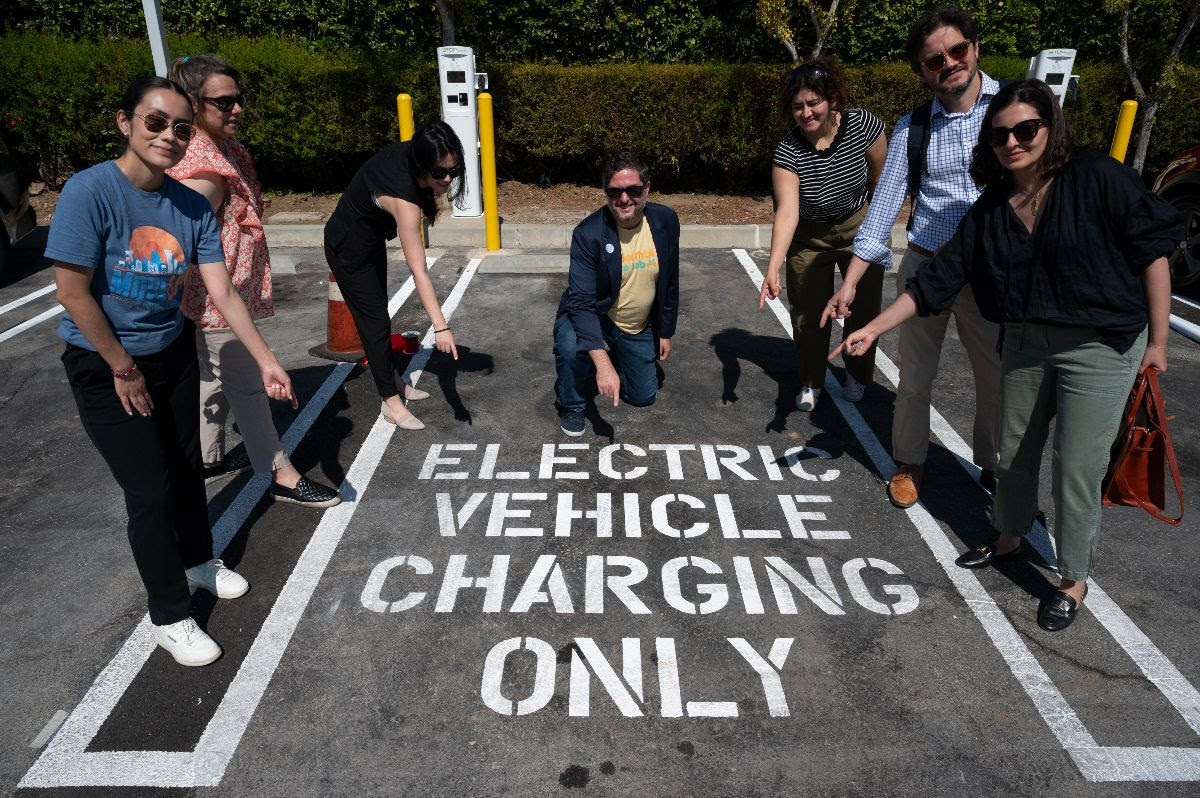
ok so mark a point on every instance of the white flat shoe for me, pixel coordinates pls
(807, 399)
(414, 394)
(409, 422)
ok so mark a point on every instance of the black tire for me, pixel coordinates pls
(1184, 263)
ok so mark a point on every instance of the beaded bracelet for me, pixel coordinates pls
(127, 374)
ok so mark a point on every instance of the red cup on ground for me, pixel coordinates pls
(408, 342)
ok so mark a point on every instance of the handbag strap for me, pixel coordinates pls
(1156, 406)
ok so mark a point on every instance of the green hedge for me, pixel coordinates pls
(314, 117)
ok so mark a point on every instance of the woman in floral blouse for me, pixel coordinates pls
(220, 168)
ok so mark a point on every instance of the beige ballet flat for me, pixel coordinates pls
(414, 394)
(409, 422)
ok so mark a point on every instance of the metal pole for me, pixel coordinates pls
(157, 35)
(1124, 128)
(487, 173)
(404, 113)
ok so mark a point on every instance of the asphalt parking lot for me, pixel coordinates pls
(711, 596)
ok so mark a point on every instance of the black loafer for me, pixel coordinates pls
(306, 493)
(1057, 612)
(983, 555)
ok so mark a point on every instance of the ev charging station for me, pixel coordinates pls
(459, 84)
(1053, 67)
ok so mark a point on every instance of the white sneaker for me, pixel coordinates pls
(214, 577)
(853, 389)
(187, 643)
(807, 399)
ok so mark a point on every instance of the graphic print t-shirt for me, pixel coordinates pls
(639, 279)
(140, 244)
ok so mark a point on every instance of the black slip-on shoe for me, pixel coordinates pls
(983, 555)
(232, 463)
(1057, 612)
(306, 493)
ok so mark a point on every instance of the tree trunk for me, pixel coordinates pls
(1143, 145)
(446, 12)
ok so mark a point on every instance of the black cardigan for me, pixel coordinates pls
(1081, 267)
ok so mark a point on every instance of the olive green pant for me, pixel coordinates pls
(816, 249)
(1073, 376)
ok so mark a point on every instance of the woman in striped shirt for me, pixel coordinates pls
(824, 171)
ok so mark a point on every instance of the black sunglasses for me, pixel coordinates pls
(225, 104)
(1023, 132)
(634, 191)
(958, 52)
(441, 173)
(807, 70)
(157, 124)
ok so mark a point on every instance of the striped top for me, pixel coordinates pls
(833, 181)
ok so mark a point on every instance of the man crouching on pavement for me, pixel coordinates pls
(623, 291)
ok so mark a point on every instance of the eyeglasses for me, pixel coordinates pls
(807, 70)
(225, 104)
(958, 52)
(634, 191)
(441, 173)
(1023, 132)
(157, 124)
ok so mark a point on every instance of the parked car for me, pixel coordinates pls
(19, 220)
(1179, 184)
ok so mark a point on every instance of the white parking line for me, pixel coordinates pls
(1095, 762)
(66, 761)
(16, 303)
(25, 325)
(1176, 297)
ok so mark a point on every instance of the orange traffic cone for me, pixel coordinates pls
(342, 341)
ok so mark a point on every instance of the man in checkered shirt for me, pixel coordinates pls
(943, 49)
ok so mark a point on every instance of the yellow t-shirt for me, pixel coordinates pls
(639, 279)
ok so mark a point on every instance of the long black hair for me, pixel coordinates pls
(986, 169)
(432, 142)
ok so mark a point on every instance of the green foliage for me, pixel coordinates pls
(313, 117)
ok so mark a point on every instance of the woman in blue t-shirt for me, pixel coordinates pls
(389, 196)
(124, 239)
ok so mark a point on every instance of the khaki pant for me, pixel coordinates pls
(816, 249)
(231, 380)
(920, 350)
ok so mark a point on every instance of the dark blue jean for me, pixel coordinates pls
(635, 359)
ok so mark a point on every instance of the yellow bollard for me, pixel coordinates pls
(404, 113)
(487, 173)
(1124, 129)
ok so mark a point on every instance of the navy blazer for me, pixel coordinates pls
(594, 281)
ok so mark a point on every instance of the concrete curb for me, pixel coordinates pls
(469, 233)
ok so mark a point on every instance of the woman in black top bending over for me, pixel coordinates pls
(1068, 251)
(388, 196)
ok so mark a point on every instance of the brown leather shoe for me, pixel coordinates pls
(905, 486)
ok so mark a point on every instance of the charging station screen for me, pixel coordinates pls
(1054, 78)
(456, 76)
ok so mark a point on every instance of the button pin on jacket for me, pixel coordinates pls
(608, 248)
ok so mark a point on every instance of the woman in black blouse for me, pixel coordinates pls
(388, 196)
(1068, 251)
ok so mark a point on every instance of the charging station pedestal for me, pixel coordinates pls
(459, 84)
(1053, 67)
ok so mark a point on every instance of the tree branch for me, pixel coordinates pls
(1123, 43)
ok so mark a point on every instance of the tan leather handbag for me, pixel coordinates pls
(1137, 472)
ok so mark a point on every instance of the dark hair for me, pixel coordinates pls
(138, 90)
(822, 76)
(432, 142)
(945, 16)
(622, 161)
(986, 169)
(193, 71)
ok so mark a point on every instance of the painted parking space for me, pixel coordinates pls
(706, 596)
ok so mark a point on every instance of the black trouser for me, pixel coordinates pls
(156, 461)
(363, 283)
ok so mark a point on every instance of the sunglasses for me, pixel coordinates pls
(807, 70)
(958, 52)
(1023, 132)
(225, 104)
(441, 173)
(157, 124)
(634, 191)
